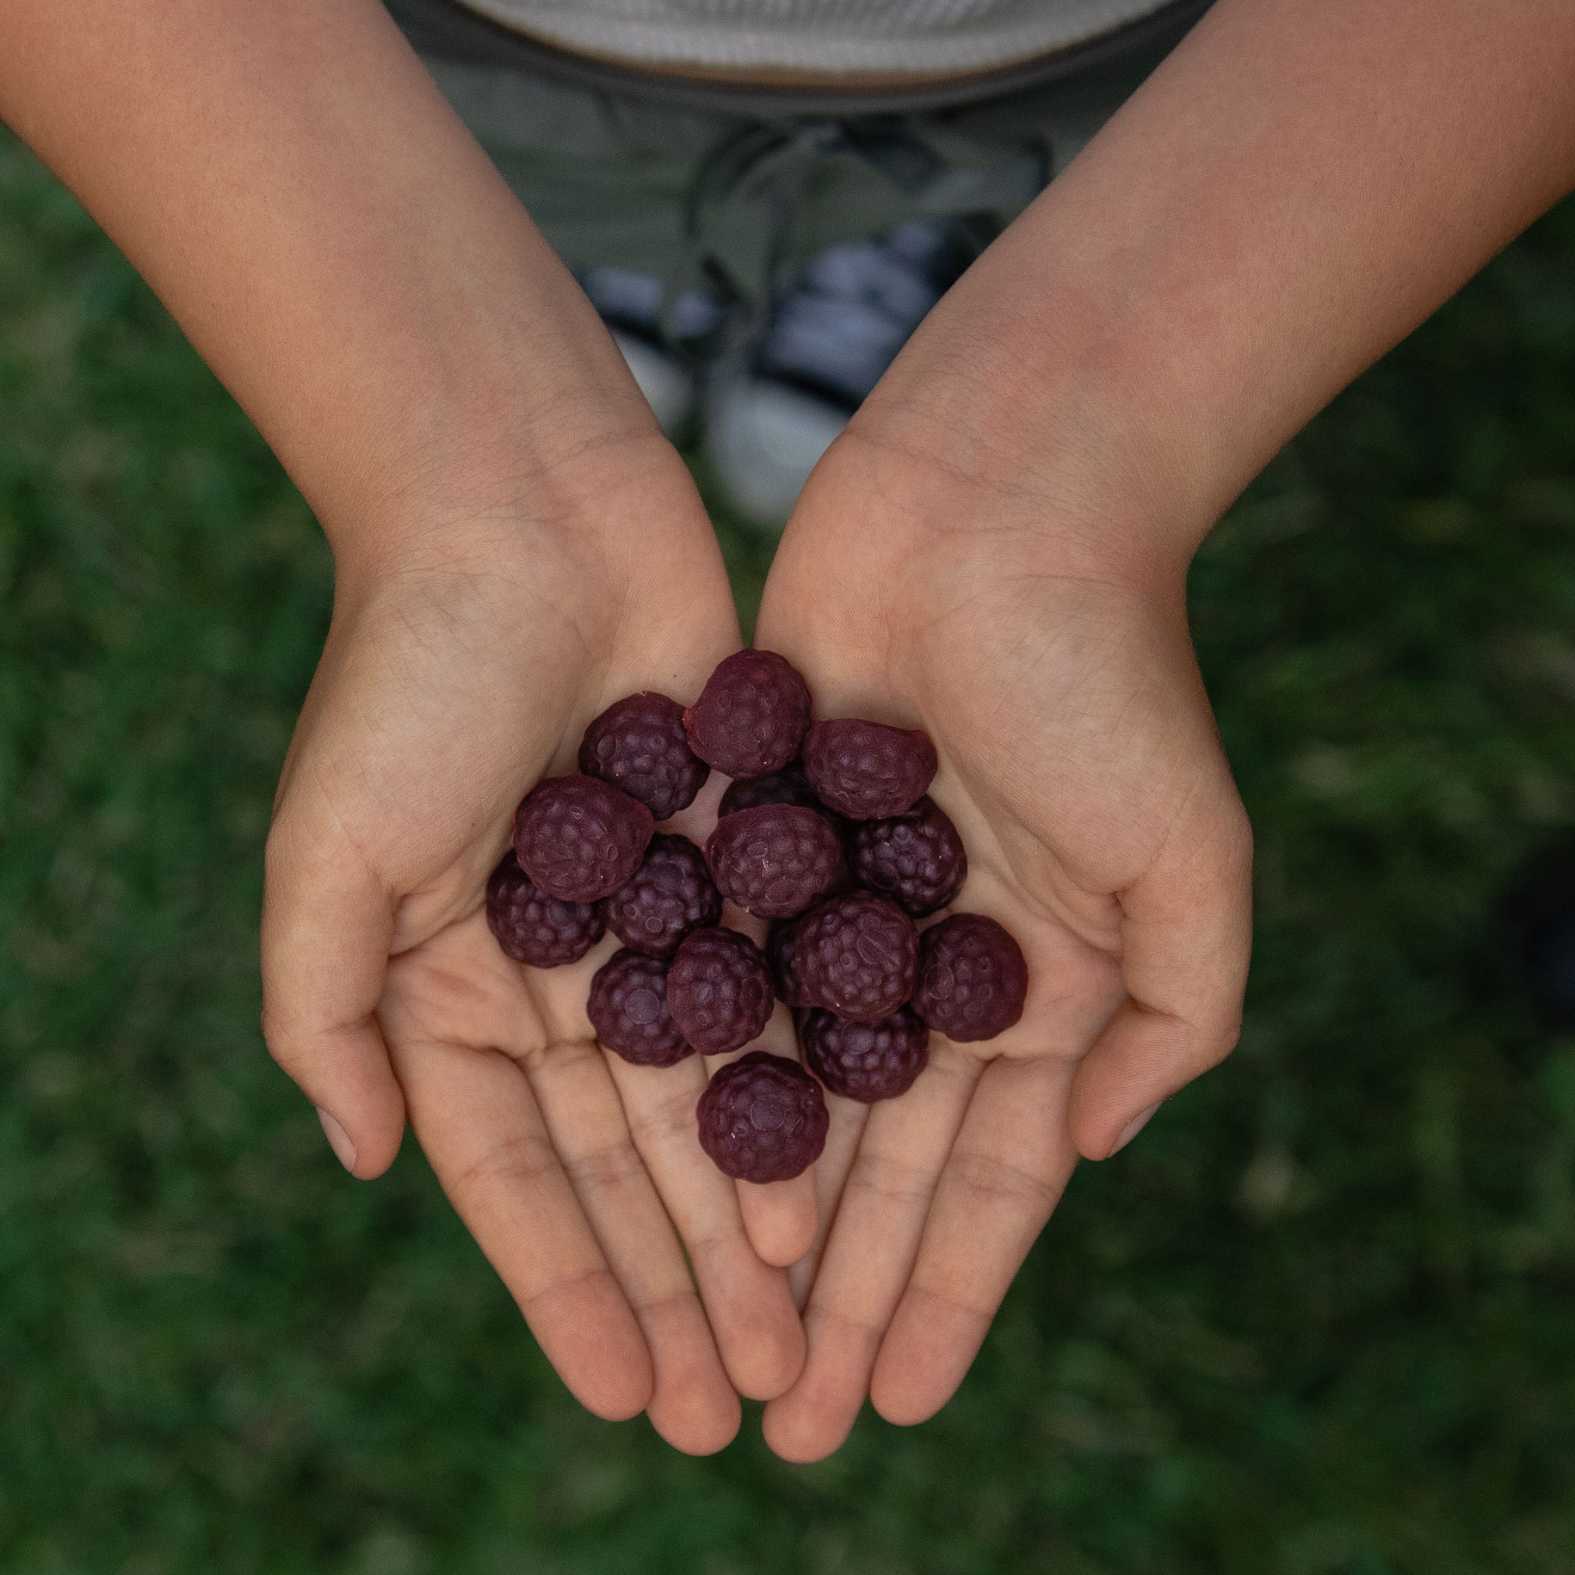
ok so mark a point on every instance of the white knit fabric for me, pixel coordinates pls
(866, 36)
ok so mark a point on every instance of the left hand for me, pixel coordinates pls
(1080, 762)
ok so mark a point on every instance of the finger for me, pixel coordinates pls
(693, 1406)
(1186, 936)
(846, 1130)
(479, 1124)
(326, 928)
(1006, 1172)
(751, 1314)
(778, 1216)
(869, 1255)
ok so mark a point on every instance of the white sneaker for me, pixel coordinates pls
(667, 386)
(762, 439)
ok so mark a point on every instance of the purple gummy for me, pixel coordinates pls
(865, 1061)
(782, 959)
(719, 990)
(917, 859)
(628, 1010)
(534, 928)
(670, 894)
(973, 979)
(638, 744)
(775, 861)
(762, 1118)
(578, 839)
(866, 770)
(751, 716)
(857, 956)
(787, 786)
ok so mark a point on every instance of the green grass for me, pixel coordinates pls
(1315, 1322)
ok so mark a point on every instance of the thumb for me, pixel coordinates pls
(1186, 939)
(326, 928)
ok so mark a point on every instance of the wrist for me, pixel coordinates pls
(1067, 450)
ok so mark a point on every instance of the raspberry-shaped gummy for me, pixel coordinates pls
(917, 859)
(782, 959)
(973, 979)
(787, 786)
(639, 744)
(534, 928)
(580, 839)
(628, 1010)
(719, 990)
(866, 770)
(865, 1061)
(762, 1118)
(671, 894)
(774, 861)
(751, 715)
(857, 956)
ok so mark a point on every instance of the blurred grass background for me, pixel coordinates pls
(1316, 1322)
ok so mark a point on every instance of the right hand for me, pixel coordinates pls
(463, 663)
(1081, 765)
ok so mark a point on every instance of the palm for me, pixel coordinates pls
(1074, 740)
(438, 701)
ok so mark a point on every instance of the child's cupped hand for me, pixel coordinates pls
(463, 664)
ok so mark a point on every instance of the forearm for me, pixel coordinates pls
(291, 183)
(1290, 194)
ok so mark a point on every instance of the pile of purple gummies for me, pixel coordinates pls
(827, 832)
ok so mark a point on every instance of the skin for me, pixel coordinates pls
(516, 547)
(1031, 479)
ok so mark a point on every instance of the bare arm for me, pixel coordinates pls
(1293, 190)
(290, 181)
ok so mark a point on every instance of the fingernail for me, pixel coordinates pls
(1134, 1126)
(338, 1140)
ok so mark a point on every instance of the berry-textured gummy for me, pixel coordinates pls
(638, 744)
(865, 1061)
(856, 956)
(782, 958)
(787, 786)
(751, 716)
(866, 770)
(917, 859)
(669, 895)
(534, 928)
(579, 839)
(628, 1010)
(776, 860)
(762, 1118)
(719, 990)
(973, 979)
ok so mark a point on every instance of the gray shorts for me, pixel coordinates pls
(732, 188)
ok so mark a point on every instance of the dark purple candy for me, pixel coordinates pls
(857, 956)
(751, 716)
(719, 990)
(762, 1118)
(671, 894)
(782, 958)
(638, 744)
(917, 859)
(628, 1010)
(776, 860)
(578, 839)
(865, 1061)
(534, 928)
(973, 979)
(866, 770)
(787, 786)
